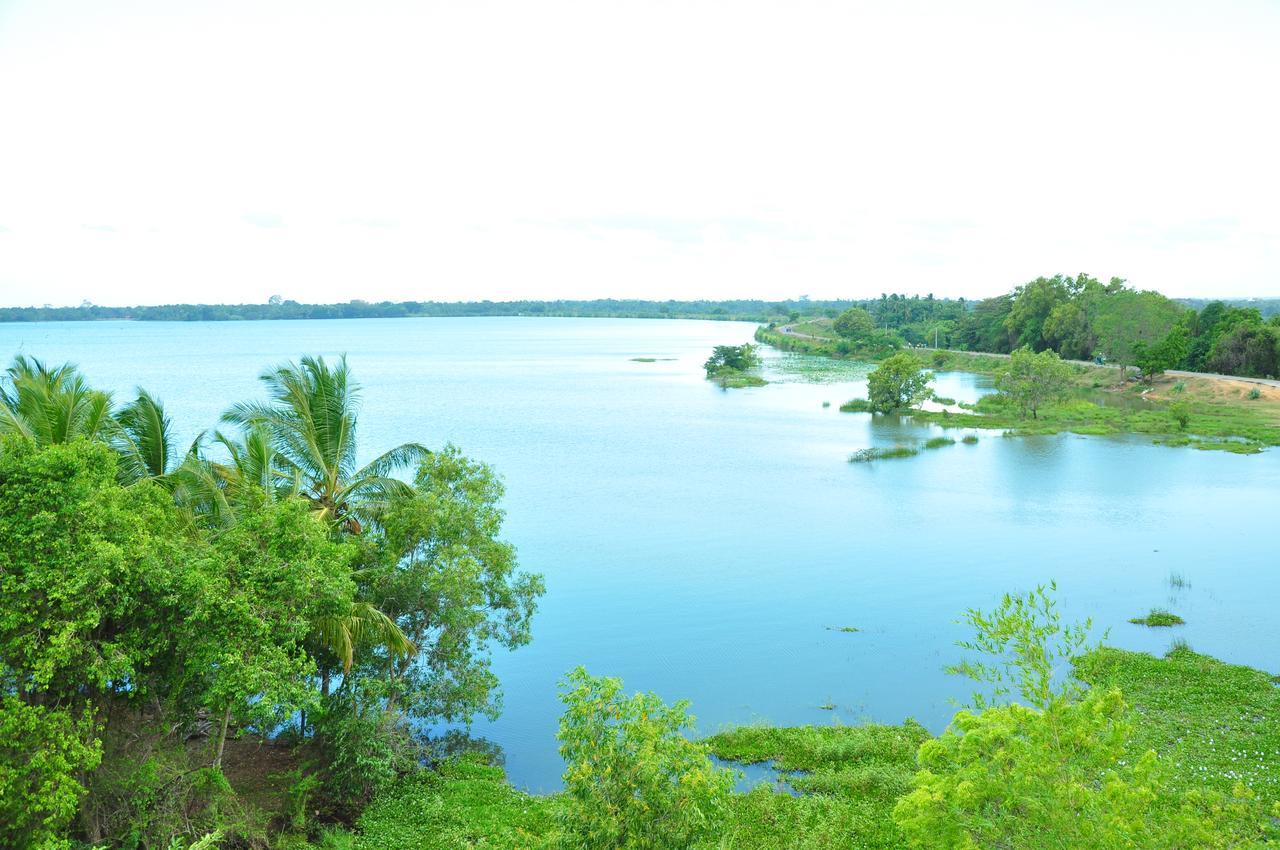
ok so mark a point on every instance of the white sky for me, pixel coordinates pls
(179, 150)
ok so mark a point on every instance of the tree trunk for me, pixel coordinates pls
(324, 682)
(222, 737)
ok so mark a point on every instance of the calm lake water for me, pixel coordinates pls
(701, 543)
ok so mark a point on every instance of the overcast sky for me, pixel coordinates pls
(153, 152)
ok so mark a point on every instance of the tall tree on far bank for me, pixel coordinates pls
(1032, 379)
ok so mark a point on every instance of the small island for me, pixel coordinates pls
(733, 366)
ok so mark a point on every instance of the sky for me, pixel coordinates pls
(162, 151)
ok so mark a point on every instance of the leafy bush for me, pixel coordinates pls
(736, 357)
(1255, 394)
(1014, 776)
(362, 750)
(1058, 774)
(633, 781)
(1180, 413)
(42, 752)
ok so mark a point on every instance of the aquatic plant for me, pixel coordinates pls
(875, 453)
(1158, 618)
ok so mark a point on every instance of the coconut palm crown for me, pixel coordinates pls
(311, 422)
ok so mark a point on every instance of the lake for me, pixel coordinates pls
(704, 543)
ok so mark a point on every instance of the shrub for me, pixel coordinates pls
(1014, 776)
(938, 442)
(632, 780)
(42, 752)
(362, 749)
(1180, 413)
(856, 405)
(1255, 394)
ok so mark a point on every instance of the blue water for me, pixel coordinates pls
(699, 542)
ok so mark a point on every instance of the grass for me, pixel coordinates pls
(1178, 581)
(651, 359)
(944, 400)
(856, 405)
(1158, 618)
(938, 442)
(1214, 722)
(466, 804)
(849, 778)
(969, 439)
(877, 453)
(845, 629)
(734, 379)
(1217, 427)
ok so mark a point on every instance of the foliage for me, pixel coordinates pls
(1153, 360)
(1014, 776)
(856, 405)
(854, 323)
(442, 573)
(465, 803)
(737, 357)
(1247, 349)
(90, 575)
(1032, 380)
(43, 754)
(938, 442)
(361, 750)
(312, 422)
(898, 382)
(632, 779)
(1028, 647)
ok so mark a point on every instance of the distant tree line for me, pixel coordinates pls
(745, 310)
(1082, 318)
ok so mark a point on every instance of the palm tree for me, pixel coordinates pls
(311, 422)
(51, 405)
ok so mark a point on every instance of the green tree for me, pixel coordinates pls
(854, 323)
(899, 381)
(1032, 380)
(264, 585)
(447, 579)
(633, 781)
(312, 421)
(1033, 305)
(1128, 317)
(1251, 350)
(1153, 360)
(89, 572)
(739, 358)
(49, 405)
